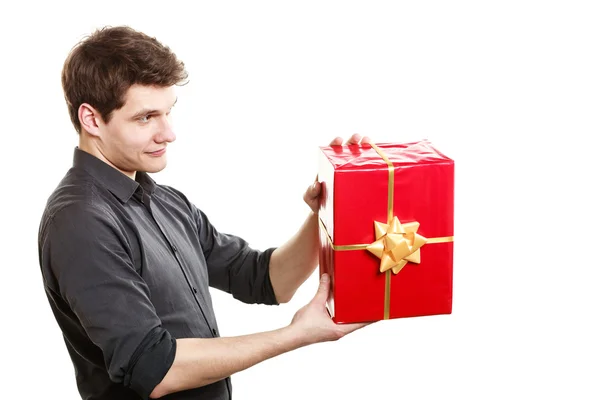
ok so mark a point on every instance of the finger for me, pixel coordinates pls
(365, 140)
(337, 141)
(313, 191)
(323, 290)
(354, 139)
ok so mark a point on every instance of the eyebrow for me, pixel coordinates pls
(146, 111)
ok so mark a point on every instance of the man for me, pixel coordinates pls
(127, 262)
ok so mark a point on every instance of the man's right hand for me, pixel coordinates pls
(313, 323)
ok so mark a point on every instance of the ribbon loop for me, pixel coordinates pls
(397, 244)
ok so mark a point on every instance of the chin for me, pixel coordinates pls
(155, 167)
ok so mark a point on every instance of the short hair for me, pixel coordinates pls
(103, 66)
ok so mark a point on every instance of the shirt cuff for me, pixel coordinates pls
(251, 283)
(151, 362)
(268, 291)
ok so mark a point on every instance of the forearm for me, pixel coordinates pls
(293, 262)
(200, 362)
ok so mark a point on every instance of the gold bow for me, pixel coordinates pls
(397, 244)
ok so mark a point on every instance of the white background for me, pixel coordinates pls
(510, 90)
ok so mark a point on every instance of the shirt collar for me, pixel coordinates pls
(112, 179)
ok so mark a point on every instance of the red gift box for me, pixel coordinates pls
(387, 223)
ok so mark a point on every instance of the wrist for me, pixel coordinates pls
(297, 336)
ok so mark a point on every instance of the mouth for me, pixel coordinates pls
(158, 153)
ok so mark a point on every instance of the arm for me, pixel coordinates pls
(293, 262)
(199, 362)
(88, 272)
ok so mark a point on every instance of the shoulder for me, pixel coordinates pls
(181, 204)
(163, 190)
(77, 187)
(77, 204)
(175, 197)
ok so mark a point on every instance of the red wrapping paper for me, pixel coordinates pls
(354, 182)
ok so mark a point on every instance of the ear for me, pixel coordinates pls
(90, 119)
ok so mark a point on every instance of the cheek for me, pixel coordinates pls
(135, 140)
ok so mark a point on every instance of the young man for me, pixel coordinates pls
(127, 262)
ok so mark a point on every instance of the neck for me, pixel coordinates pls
(92, 149)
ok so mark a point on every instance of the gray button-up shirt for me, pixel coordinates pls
(127, 267)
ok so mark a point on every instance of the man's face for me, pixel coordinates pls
(137, 135)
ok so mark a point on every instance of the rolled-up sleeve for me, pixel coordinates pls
(91, 264)
(233, 266)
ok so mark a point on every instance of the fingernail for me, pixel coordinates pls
(324, 278)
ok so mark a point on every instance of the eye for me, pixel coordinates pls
(145, 118)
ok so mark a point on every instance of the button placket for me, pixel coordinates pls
(198, 297)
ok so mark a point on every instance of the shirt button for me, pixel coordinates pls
(195, 290)
(174, 249)
(214, 331)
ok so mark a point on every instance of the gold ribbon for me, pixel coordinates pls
(396, 244)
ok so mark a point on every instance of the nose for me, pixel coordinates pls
(166, 133)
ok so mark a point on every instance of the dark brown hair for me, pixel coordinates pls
(102, 67)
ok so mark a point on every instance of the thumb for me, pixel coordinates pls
(315, 189)
(323, 290)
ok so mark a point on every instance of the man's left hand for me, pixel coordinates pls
(312, 194)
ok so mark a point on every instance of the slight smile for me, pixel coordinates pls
(158, 153)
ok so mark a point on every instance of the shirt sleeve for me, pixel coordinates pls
(233, 266)
(91, 263)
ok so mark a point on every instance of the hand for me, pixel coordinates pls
(313, 322)
(354, 139)
(311, 196)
